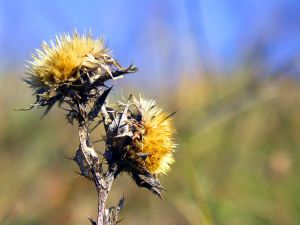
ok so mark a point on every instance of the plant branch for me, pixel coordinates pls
(91, 167)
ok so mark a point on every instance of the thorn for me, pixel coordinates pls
(172, 114)
(120, 220)
(130, 97)
(92, 221)
(167, 117)
(121, 204)
(160, 196)
(80, 174)
(25, 109)
(49, 107)
(70, 158)
(96, 125)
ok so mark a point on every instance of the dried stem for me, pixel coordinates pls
(91, 167)
(87, 158)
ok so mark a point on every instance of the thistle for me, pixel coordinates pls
(142, 143)
(71, 67)
(72, 71)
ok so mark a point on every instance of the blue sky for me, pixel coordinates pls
(159, 36)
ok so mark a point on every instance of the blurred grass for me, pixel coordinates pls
(237, 161)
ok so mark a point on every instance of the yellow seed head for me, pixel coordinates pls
(59, 61)
(157, 137)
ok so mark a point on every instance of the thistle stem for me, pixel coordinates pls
(91, 167)
(103, 216)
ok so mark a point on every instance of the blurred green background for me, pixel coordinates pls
(229, 68)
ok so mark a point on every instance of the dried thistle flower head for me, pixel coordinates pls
(153, 136)
(72, 66)
(139, 140)
(60, 61)
(150, 131)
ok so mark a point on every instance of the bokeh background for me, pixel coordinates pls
(229, 68)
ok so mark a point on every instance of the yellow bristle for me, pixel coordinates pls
(157, 139)
(57, 61)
